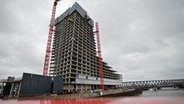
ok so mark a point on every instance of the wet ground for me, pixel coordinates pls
(119, 100)
(163, 96)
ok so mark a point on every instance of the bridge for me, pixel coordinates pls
(155, 83)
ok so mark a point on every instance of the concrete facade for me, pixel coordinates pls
(74, 55)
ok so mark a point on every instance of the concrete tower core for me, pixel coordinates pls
(74, 53)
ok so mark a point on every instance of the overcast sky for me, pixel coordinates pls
(142, 39)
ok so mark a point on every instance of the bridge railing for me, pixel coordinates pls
(155, 83)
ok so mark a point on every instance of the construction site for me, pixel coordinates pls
(72, 58)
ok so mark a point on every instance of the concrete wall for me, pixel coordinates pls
(82, 79)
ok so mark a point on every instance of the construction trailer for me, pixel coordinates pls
(30, 85)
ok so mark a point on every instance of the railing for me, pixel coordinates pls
(155, 83)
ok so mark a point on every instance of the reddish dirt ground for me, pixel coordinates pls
(119, 100)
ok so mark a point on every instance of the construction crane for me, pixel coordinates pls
(49, 41)
(100, 65)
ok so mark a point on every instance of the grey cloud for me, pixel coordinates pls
(23, 34)
(139, 38)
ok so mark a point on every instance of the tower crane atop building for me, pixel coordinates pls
(49, 41)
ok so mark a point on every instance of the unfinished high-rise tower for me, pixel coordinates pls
(74, 53)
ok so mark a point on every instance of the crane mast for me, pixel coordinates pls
(49, 41)
(100, 65)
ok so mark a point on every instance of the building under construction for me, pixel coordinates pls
(74, 55)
